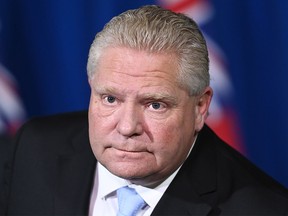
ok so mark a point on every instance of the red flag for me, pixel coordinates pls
(12, 113)
(222, 118)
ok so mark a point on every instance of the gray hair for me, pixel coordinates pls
(157, 30)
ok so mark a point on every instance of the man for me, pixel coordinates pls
(150, 94)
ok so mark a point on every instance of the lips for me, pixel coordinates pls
(127, 156)
(130, 150)
(128, 147)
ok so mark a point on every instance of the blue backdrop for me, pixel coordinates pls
(45, 44)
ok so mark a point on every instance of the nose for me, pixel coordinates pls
(130, 121)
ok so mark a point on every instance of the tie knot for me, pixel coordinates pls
(129, 201)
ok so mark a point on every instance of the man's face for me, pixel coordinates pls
(141, 123)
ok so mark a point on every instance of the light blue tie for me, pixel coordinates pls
(129, 202)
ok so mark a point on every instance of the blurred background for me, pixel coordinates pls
(44, 47)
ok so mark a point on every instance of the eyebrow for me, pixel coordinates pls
(104, 90)
(165, 97)
(158, 96)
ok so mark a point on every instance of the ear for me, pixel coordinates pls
(202, 107)
(90, 82)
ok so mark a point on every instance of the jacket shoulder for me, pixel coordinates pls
(52, 133)
(58, 120)
(44, 149)
(243, 180)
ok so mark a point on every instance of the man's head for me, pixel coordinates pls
(156, 30)
(150, 94)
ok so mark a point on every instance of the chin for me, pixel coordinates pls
(127, 172)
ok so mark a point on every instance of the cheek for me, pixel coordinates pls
(98, 122)
(97, 132)
(166, 137)
(172, 138)
(170, 128)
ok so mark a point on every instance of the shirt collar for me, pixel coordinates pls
(108, 183)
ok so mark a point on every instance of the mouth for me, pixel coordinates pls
(128, 153)
(129, 150)
(128, 147)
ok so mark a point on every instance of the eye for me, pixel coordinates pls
(109, 99)
(156, 106)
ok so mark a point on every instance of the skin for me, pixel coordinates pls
(142, 124)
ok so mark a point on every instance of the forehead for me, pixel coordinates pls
(128, 73)
(136, 64)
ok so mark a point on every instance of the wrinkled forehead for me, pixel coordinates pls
(123, 59)
(128, 67)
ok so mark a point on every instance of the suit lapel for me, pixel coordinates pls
(193, 190)
(75, 177)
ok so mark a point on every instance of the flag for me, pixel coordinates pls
(222, 115)
(12, 113)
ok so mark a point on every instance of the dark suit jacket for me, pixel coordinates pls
(54, 168)
(5, 152)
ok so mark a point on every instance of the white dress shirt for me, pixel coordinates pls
(104, 200)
